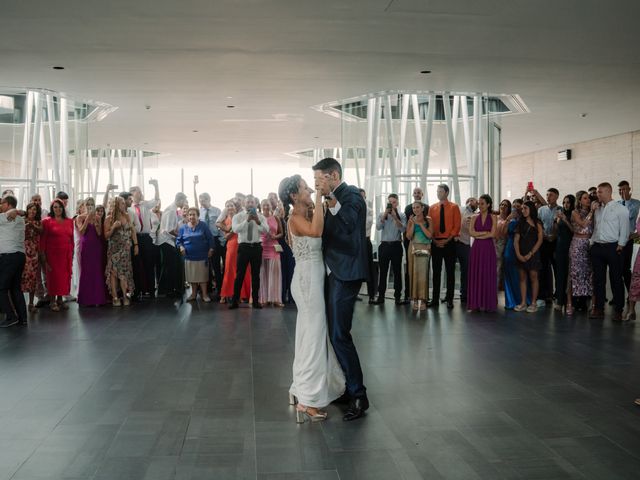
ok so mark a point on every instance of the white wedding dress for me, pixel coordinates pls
(317, 376)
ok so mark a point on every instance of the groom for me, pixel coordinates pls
(345, 255)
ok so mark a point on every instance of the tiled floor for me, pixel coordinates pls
(167, 391)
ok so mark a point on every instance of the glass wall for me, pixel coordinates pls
(393, 141)
(44, 141)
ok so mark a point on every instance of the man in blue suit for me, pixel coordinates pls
(345, 255)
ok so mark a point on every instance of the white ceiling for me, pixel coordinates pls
(277, 58)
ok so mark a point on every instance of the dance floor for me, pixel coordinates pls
(174, 391)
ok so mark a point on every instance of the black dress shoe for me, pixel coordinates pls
(356, 409)
(372, 301)
(233, 305)
(9, 322)
(256, 305)
(402, 302)
(344, 399)
(433, 304)
(379, 301)
(358, 299)
(449, 304)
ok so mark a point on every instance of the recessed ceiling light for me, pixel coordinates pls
(316, 137)
(425, 71)
(58, 68)
(231, 106)
(229, 98)
(583, 115)
(194, 131)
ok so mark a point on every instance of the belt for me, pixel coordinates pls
(251, 244)
(143, 233)
(391, 241)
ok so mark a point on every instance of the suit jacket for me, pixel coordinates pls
(344, 236)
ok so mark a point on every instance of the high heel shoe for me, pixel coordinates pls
(302, 411)
(292, 399)
(568, 310)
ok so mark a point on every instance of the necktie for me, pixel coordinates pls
(206, 217)
(624, 203)
(139, 216)
(250, 232)
(442, 224)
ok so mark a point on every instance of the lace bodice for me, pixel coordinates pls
(306, 248)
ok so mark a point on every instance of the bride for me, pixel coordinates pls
(317, 376)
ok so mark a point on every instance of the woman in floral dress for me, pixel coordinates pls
(31, 272)
(120, 235)
(580, 273)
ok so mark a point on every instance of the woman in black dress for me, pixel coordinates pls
(527, 243)
(564, 233)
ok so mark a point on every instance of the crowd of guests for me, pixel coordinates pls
(126, 249)
(538, 251)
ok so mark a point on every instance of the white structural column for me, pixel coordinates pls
(431, 113)
(53, 141)
(390, 145)
(452, 148)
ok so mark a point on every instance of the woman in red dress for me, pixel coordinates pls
(56, 248)
(31, 272)
(231, 259)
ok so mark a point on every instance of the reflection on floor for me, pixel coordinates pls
(163, 391)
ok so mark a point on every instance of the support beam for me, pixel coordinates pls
(431, 113)
(452, 148)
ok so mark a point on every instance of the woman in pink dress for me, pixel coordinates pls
(271, 271)
(634, 289)
(56, 248)
(31, 272)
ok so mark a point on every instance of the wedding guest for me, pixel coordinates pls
(446, 227)
(419, 234)
(392, 224)
(248, 224)
(155, 237)
(172, 275)
(91, 289)
(527, 243)
(56, 250)
(580, 272)
(483, 274)
(547, 215)
(634, 290)
(63, 197)
(120, 235)
(31, 273)
(36, 199)
(563, 231)
(195, 242)
(633, 206)
(209, 215)
(12, 260)
(270, 272)
(463, 244)
(143, 263)
(512, 296)
(231, 260)
(418, 195)
(610, 236)
(371, 276)
(287, 261)
(501, 238)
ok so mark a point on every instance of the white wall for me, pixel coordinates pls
(608, 159)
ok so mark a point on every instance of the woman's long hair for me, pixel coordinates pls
(38, 216)
(533, 213)
(59, 202)
(572, 205)
(288, 186)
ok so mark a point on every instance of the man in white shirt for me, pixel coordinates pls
(171, 281)
(210, 215)
(547, 215)
(248, 224)
(143, 263)
(610, 235)
(12, 261)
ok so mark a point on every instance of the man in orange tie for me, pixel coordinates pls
(446, 227)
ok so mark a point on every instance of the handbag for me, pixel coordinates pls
(278, 248)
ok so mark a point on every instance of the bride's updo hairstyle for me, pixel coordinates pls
(288, 186)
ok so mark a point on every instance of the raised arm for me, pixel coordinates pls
(195, 193)
(299, 226)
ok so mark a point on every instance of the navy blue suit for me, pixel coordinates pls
(345, 253)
